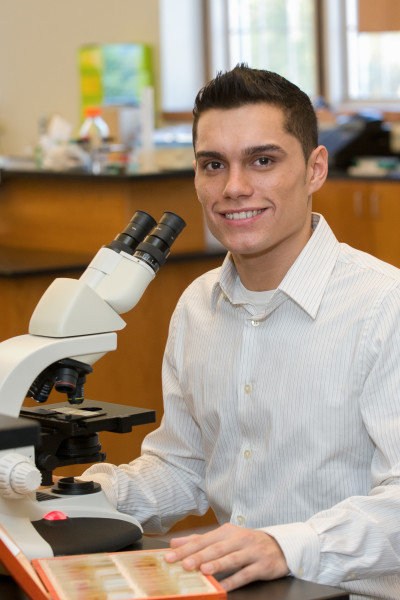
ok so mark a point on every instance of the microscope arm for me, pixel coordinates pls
(24, 357)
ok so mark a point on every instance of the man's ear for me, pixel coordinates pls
(317, 168)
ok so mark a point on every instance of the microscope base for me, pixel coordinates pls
(84, 523)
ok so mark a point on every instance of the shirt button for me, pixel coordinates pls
(240, 520)
(255, 323)
(247, 388)
(247, 453)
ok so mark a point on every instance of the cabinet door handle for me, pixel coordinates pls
(358, 203)
(374, 205)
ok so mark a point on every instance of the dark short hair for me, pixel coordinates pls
(244, 85)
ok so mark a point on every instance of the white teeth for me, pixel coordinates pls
(244, 214)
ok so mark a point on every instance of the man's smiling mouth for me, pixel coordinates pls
(244, 214)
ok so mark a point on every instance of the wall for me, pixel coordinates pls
(38, 57)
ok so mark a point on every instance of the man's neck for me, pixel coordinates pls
(264, 272)
(258, 277)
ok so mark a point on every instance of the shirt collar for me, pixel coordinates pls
(307, 278)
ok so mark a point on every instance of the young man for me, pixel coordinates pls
(281, 372)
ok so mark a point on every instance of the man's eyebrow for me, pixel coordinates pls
(209, 154)
(266, 148)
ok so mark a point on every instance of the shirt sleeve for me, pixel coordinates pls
(166, 483)
(359, 538)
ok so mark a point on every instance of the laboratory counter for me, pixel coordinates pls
(287, 588)
(281, 589)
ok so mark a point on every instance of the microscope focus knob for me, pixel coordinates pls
(18, 476)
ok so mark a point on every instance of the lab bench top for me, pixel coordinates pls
(282, 589)
(287, 588)
(74, 174)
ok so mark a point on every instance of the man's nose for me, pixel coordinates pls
(238, 183)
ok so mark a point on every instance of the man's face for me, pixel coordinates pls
(252, 181)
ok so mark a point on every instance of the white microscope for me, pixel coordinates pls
(73, 325)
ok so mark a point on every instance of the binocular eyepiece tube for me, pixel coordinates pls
(148, 240)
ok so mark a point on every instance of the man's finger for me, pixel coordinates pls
(198, 549)
(240, 578)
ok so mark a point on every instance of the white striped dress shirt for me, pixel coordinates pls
(284, 418)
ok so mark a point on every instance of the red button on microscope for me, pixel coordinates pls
(55, 515)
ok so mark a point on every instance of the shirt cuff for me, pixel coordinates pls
(300, 545)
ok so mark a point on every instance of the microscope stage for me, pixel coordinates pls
(89, 416)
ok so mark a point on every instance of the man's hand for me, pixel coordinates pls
(247, 553)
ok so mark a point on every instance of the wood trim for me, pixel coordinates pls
(378, 16)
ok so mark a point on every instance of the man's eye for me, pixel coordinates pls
(214, 165)
(263, 161)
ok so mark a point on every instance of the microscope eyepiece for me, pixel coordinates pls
(138, 227)
(155, 248)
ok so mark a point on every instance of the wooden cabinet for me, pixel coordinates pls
(364, 214)
(384, 206)
(79, 214)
